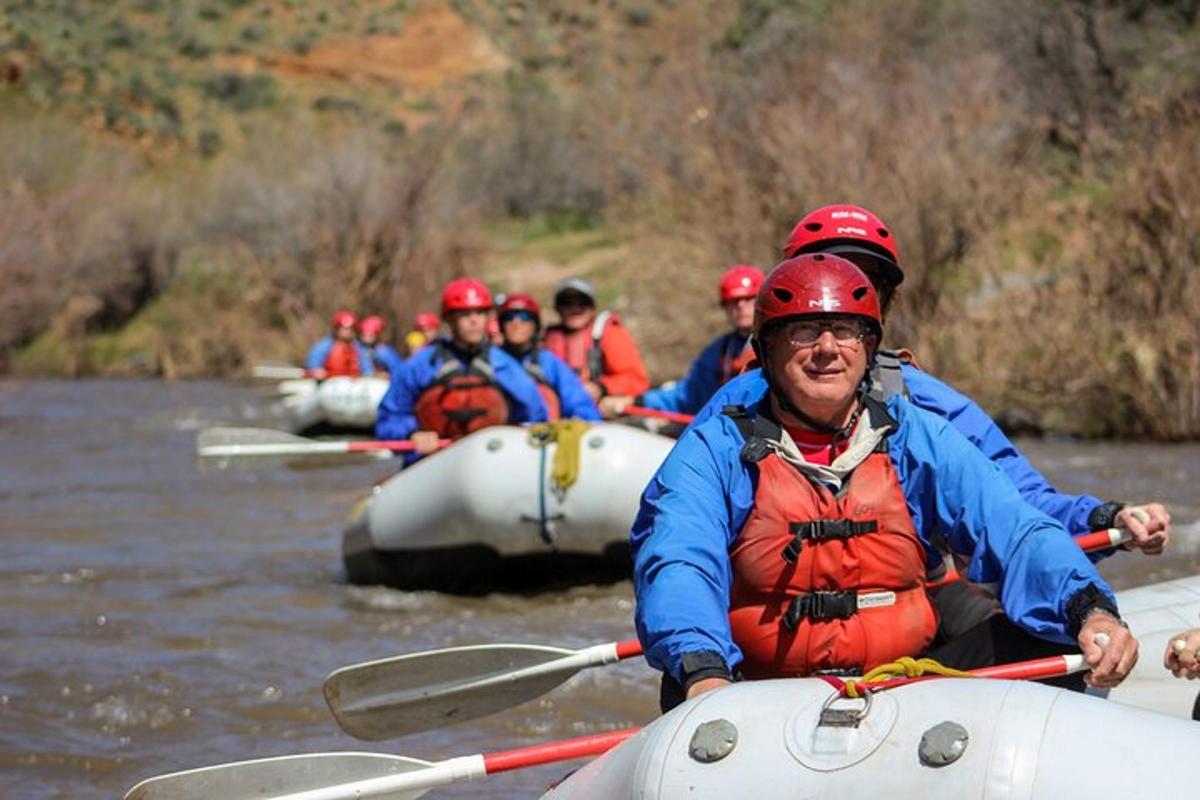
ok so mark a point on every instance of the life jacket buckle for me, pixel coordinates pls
(822, 530)
(822, 606)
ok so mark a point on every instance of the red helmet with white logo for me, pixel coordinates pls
(372, 324)
(344, 319)
(465, 294)
(740, 281)
(815, 284)
(521, 302)
(845, 229)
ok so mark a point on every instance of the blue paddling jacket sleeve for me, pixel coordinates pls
(575, 400)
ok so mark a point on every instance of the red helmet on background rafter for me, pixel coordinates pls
(815, 284)
(427, 321)
(845, 229)
(344, 319)
(465, 294)
(740, 281)
(372, 324)
(521, 302)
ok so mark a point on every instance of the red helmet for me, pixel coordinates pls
(465, 294)
(372, 324)
(815, 284)
(740, 281)
(344, 319)
(428, 321)
(521, 302)
(843, 229)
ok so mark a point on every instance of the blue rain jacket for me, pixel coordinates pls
(386, 358)
(931, 394)
(320, 351)
(689, 394)
(573, 398)
(696, 504)
(397, 419)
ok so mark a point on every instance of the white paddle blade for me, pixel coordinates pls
(277, 373)
(210, 438)
(309, 776)
(397, 696)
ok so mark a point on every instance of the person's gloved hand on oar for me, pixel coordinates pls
(1183, 655)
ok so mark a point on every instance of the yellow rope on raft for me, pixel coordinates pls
(903, 667)
(568, 433)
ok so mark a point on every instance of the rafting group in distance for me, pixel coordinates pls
(822, 508)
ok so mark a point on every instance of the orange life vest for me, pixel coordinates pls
(549, 396)
(825, 581)
(735, 363)
(581, 349)
(462, 397)
(342, 360)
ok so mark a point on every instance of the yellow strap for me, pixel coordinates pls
(568, 433)
(903, 667)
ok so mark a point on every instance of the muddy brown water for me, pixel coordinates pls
(158, 616)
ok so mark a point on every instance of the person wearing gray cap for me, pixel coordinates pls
(595, 343)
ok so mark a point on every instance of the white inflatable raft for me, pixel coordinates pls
(950, 738)
(335, 403)
(484, 514)
(1156, 613)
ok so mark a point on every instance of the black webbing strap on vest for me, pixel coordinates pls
(820, 606)
(452, 366)
(756, 431)
(820, 530)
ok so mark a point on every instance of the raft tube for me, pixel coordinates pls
(484, 514)
(1001, 740)
(334, 404)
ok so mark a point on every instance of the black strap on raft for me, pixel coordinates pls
(820, 530)
(820, 606)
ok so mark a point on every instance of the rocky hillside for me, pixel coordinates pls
(186, 187)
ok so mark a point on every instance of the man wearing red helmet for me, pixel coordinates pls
(520, 323)
(794, 535)
(724, 358)
(460, 383)
(596, 344)
(340, 353)
(386, 360)
(861, 237)
(425, 330)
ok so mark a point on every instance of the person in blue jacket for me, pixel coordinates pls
(340, 354)
(724, 358)
(520, 319)
(459, 384)
(796, 534)
(385, 358)
(862, 238)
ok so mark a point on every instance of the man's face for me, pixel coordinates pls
(576, 310)
(344, 333)
(468, 327)
(819, 361)
(369, 338)
(518, 327)
(740, 312)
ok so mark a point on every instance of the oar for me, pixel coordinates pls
(350, 776)
(405, 694)
(1088, 543)
(669, 416)
(276, 373)
(237, 442)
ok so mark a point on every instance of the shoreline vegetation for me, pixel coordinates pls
(188, 189)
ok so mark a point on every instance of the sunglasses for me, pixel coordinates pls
(524, 316)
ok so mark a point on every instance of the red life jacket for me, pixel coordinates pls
(580, 349)
(549, 396)
(342, 360)
(825, 581)
(462, 397)
(734, 359)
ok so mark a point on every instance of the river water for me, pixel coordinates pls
(158, 616)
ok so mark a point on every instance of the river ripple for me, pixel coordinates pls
(160, 617)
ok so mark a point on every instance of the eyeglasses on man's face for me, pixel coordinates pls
(805, 332)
